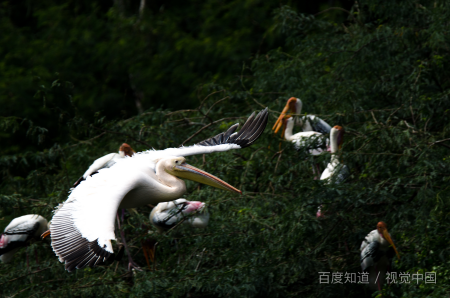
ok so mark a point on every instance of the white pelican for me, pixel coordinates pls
(82, 229)
(167, 215)
(308, 122)
(377, 251)
(18, 234)
(106, 162)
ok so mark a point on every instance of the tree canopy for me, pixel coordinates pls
(80, 78)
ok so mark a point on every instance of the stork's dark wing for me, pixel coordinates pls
(370, 255)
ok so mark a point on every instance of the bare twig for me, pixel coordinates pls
(124, 134)
(373, 116)
(215, 104)
(37, 271)
(337, 8)
(203, 101)
(201, 256)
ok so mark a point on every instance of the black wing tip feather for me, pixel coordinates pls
(72, 248)
(249, 133)
(78, 181)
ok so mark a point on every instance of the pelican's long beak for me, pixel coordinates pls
(388, 238)
(192, 173)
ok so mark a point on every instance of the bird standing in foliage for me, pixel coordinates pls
(20, 231)
(312, 137)
(377, 251)
(106, 161)
(335, 171)
(307, 122)
(82, 229)
(167, 215)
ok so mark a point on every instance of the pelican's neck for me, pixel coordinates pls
(122, 153)
(289, 129)
(177, 187)
(334, 135)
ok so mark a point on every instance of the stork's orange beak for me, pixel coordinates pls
(290, 105)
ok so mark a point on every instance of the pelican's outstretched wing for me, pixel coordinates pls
(83, 227)
(250, 132)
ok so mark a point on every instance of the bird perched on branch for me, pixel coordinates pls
(167, 215)
(106, 161)
(19, 232)
(335, 172)
(82, 229)
(313, 136)
(377, 252)
(307, 122)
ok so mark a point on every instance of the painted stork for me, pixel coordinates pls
(106, 161)
(313, 141)
(313, 129)
(307, 122)
(19, 233)
(335, 172)
(82, 229)
(167, 215)
(377, 251)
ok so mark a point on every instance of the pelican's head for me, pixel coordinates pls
(294, 105)
(166, 215)
(177, 166)
(382, 230)
(126, 150)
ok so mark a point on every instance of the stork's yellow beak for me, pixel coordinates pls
(192, 173)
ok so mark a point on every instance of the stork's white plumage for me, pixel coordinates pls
(166, 215)
(335, 170)
(313, 141)
(82, 229)
(106, 161)
(18, 234)
(377, 251)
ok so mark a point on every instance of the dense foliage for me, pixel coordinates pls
(379, 69)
